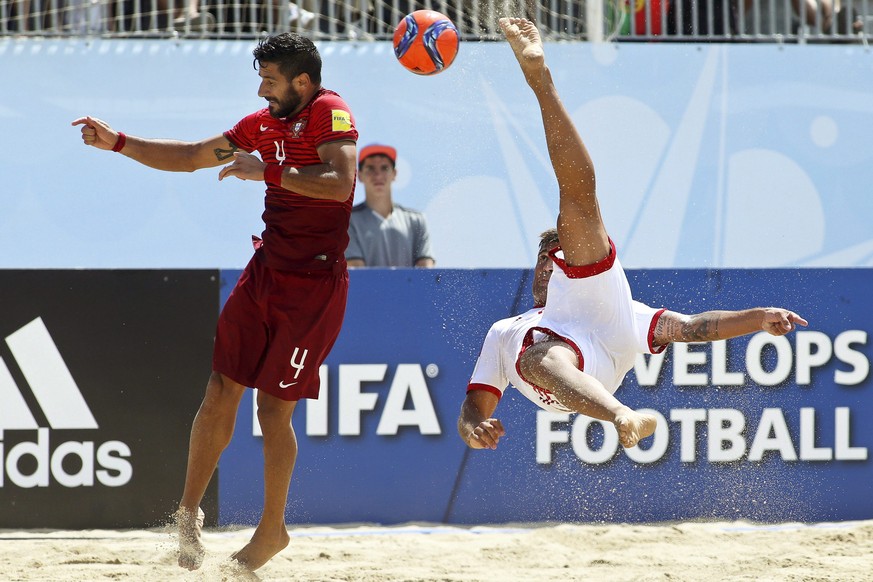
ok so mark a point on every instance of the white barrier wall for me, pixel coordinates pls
(707, 155)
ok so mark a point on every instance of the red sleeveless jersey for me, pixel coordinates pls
(300, 232)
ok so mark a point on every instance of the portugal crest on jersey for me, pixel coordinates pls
(297, 127)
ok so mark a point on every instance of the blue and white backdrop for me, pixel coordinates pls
(708, 156)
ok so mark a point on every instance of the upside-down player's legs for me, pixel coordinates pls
(583, 239)
(553, 364)
(580, 226)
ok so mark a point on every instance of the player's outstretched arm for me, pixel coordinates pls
(162, 154)
(720, 325)
(476, 426)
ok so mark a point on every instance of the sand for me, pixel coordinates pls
(427, 552)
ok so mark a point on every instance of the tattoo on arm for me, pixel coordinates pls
(686, 329)
(665, 330)
(222, 154)
(699, 329)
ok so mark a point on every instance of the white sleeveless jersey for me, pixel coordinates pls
(591, 309)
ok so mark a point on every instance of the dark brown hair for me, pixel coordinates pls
(293, 53)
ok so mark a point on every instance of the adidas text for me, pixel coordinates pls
(107, 463)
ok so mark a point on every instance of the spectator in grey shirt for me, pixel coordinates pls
(382, 233)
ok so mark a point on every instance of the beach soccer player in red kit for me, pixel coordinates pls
(285, 313)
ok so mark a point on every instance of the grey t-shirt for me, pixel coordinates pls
(397, 241)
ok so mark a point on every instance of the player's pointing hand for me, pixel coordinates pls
(781, 321)
(97, 133)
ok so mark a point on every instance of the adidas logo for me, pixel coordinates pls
(64, 408)
(49, 379)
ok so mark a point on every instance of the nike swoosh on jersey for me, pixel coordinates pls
(283, 385)
(264, 128)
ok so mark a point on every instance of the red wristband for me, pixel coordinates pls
(119, 143)
(273, 175)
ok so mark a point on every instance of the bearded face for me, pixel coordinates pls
(282, 97)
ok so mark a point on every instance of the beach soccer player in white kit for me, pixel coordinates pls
(572, 351)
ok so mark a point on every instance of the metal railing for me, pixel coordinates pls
(643, 20)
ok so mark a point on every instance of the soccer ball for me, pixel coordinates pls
(426, 42)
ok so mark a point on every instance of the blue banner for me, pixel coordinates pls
(758, 427)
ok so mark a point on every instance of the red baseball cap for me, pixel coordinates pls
(376, 149)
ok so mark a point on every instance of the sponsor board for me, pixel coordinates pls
(379, 445)
(758, 427)
(101, 373)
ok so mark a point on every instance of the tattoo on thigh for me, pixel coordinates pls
(223, 154)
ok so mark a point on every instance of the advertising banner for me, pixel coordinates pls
(101, 373)
(380, 444)
(758, 427)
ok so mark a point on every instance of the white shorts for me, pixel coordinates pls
(590, 308)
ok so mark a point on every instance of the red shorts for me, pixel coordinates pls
(278, 327)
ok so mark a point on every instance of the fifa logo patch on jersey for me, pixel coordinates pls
(342, 120)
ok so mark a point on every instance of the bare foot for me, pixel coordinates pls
(524, 38)
(191, 550)
(634, 426)
(262, 548)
